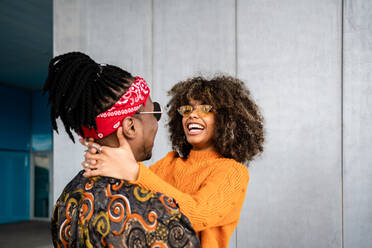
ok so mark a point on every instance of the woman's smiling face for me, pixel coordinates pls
(199, 128)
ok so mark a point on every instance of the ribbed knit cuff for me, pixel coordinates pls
(141, 170)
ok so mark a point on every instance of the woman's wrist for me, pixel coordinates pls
(132, 173)
(136, 172)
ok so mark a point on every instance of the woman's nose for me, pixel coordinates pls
(194, 113)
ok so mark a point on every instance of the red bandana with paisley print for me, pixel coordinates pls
(110, 120)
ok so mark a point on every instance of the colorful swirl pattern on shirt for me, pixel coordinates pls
(106, 212)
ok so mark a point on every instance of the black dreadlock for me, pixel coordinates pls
(80, 89)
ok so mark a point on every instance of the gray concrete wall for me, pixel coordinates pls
(357, 123)
(289, 53)
(309, 75)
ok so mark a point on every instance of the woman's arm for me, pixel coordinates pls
(211, 205)
(223, 191)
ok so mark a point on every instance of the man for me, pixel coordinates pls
(97, 101)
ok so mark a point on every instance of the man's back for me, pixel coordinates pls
(106, 212)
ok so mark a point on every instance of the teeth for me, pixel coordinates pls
(197, 126)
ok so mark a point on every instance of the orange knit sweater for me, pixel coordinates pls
(208, 188)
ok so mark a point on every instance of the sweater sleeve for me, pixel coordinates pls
(212, 205)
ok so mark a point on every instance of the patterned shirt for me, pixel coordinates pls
(107, 212)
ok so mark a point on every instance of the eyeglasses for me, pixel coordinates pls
(157, 111)
(202, 110)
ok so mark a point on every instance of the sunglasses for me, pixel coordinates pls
(186, 110)
(157, 111)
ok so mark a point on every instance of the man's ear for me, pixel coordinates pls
(129, 127)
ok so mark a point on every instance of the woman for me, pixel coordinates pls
(215, 127)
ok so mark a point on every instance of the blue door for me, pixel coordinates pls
(14, 186)
(15, 126)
